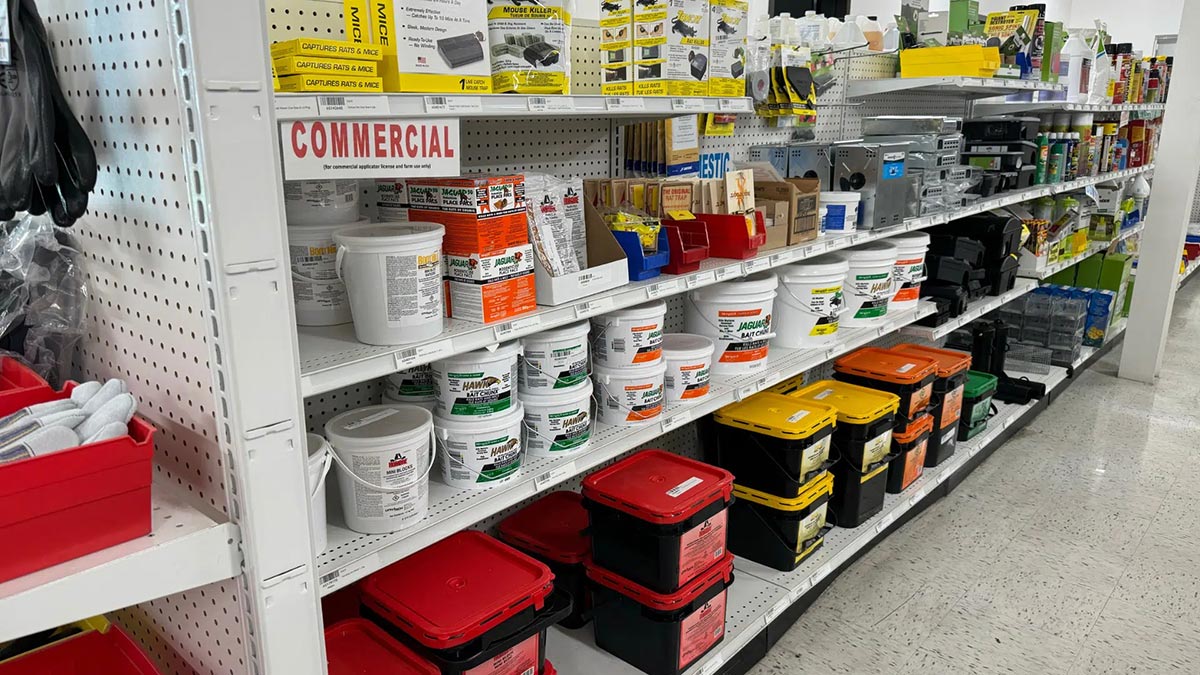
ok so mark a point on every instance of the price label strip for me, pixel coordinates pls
(453, 104)
(553, 476)
(551, 104)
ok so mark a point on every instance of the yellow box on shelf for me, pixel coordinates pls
(312, 65)
(337, 49)
(962, 60)
(330, 83)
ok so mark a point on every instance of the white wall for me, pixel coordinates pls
(1136, 22)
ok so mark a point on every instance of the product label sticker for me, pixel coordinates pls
(810, 527)
(875, 450)
(518, 660)
(702, 546)
(797, 416)
(701, 630)
(823, 395)
(684, 486)
(815, 455)
(951, 407)
(485, 390)
(920, 400)
(915, 466)
(906, 367)
(744, 334)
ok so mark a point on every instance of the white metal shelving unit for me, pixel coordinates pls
(976, 310)
(186, 248)
(1023, 107)
(1092, 249)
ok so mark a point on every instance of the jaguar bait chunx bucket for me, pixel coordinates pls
(631, 396)
(629, 337)
(737, 316)
(689, 366)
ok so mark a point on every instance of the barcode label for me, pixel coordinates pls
(333, 100)
(553, 476)
(592, 307)
(687, 104)
(622, 103)
(551, 104)
(330, 578)
(505, 330)
(734, 105)
(453, 104)
(884, 523)
(349, 573)
(677, 420)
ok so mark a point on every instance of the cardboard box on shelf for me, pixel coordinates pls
(482, 215)
(335, 83)
(333, 49)
(314, 65)
(728, 25)
(606, 268)
(434, 46)
(671, 48)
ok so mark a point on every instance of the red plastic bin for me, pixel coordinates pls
(358, 647)
(553, 530)
(64, 505)
(688, 248)
(20, 386)
(727, 235)
(90, 653)
(468, 604)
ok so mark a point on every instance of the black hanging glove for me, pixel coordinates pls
(27, 151)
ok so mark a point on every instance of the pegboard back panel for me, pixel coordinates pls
(563, 146)
(146, 319)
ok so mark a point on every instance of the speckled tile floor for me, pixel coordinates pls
(1074, 549)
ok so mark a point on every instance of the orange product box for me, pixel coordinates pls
(491, 301)
(482, 216)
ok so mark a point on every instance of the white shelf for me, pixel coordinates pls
(185, 549)
(1189, 271)
(364, 106)
(1086, 353)
(974, 311)
(749, 609)
(351, 556)
(1092, 249)
(330, 357)
(971, 86)
(986, 108)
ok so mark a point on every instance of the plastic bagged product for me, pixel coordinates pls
(531, 45)
(558, 240)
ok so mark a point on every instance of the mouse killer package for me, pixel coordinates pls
(531, 46)
(434, 46)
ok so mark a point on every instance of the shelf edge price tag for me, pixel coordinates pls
(726, 272)
(592, 307)
(624, 103)
(699, 278)
(916, 499)
(504, 330)
(553, 476)
(353, 105)
(677, 420)
(687, 104)
(779, 608)
(734, 105)
(799, 591)
(781, 258)
(769, 380)
(333, 580)
(453, 104)
(715, 661)
(819, 575)
(427, 352)
(745, 392)
(551, 104)
(884, 523)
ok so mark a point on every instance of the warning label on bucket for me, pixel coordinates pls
(701, 547)
(701, 630)
(518, 660)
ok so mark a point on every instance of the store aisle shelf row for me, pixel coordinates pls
(753, 607)
(983, 108)
(331, 357)
(972, 86)
(185, 549)
(1092, 249)
(388, 106)
(350, 555)
(976, 310)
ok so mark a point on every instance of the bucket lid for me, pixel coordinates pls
(778, 416)
(554, 527)
(646, 311)
(681, 346)
(875, 251)
(466, 424)
(885, 365)
(759, 282)
(840, 197)
(659, 487)
(949, 361)
(911, 240)
(830, 264)
(507, 350)
(855, 404)
(720, 572)
(457, 589)
(575, 330)
(378, 425)
(821, 486)
(387, 236)
(980, 384)
(357, 646)
(923, 424)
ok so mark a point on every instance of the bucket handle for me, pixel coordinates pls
(320, 282)
(328, 464)
(337, 264)
(401, 488)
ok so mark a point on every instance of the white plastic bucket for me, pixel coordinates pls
(558, 422)
(630, 396)
(839, 211)
(478, 454)
(384, 455)
(320, 202)
(320, 456)
(477, 385)
(413, 386)
(737, 316)
(319, 294)
(689, 366)
(554, 359)
(393, 275)
(629, 337)
(811, 301)
(911, 249)
(869, 284)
